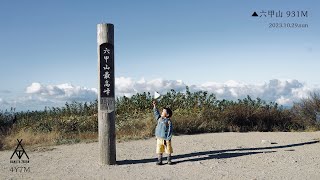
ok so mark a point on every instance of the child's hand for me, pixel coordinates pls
(154, 103)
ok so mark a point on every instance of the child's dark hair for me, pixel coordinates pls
(169, 112)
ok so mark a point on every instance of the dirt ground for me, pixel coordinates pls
(254, 155)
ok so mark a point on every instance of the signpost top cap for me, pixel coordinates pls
(108, 24)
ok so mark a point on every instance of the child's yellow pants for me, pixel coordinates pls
(164, 146)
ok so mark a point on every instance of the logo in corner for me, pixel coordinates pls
(19, 152)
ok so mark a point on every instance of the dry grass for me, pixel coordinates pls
(35, 140)
(30, 138)
(136, 128)
(89, 136)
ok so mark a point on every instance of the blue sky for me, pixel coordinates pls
(54, 42)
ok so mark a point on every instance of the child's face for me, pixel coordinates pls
(164, 113)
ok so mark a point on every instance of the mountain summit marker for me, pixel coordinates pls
(106, 94)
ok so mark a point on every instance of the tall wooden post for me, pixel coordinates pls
(106, 95)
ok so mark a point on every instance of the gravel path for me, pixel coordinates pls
(254, 155)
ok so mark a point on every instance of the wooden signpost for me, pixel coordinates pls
(106, 94)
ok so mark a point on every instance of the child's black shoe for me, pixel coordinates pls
(159, 163)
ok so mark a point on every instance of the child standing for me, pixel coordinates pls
(163, 133)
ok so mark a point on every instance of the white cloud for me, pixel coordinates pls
(38, 95)
(34, 88)
(127, 86)
(284, 92)
(61, 92)
(283, 100)
(3, 103)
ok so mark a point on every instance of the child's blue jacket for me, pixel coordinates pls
(164, 126)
